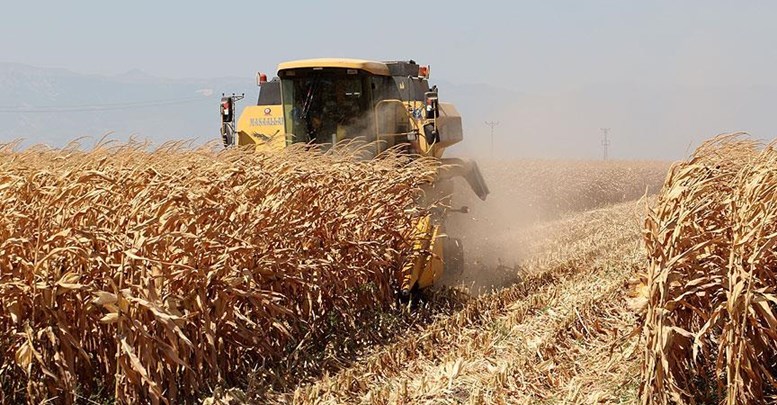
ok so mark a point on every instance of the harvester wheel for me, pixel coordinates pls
(410, 298)
(453, 251)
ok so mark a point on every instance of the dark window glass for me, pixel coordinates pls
(327, 105)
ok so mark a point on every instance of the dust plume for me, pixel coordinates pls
(502, 232)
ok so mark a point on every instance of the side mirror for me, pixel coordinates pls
(432, 104)
(227, 110)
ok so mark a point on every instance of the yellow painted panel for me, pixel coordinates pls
(261, 124)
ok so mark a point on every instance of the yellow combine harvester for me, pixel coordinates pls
(390, 105)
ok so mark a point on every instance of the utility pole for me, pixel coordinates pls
(605, 142)
(492, 124)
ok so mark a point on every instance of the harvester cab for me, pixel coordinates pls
(386, 104)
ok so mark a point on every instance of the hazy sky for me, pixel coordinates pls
(663, 74)
(532, 46)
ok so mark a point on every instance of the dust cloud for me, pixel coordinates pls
(490, 231)
(502, 232)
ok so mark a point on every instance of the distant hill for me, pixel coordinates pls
(54, 106)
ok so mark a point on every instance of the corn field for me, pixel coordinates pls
(710, 326)
(153, 276)
(181, 274)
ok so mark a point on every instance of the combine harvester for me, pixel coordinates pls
(389, 105)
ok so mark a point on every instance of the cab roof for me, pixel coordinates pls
(376, 68)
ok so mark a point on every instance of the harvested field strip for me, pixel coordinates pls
(382, 376)
(491, 363)
(595, 359)
(496, 361)
(578, 341)
(564, 237)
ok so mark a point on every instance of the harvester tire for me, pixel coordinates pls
(453, 251)
(410, 298)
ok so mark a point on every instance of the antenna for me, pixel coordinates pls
(492, 124)
(605, 142)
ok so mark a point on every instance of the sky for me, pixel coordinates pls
(550, 50)
(532, 46)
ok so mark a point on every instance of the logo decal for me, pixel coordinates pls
(267, 111)
(260, 122)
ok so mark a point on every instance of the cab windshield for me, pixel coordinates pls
(325, 106)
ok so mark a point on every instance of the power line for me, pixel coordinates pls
(492, 124)
(605, 142)
(100, 107)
